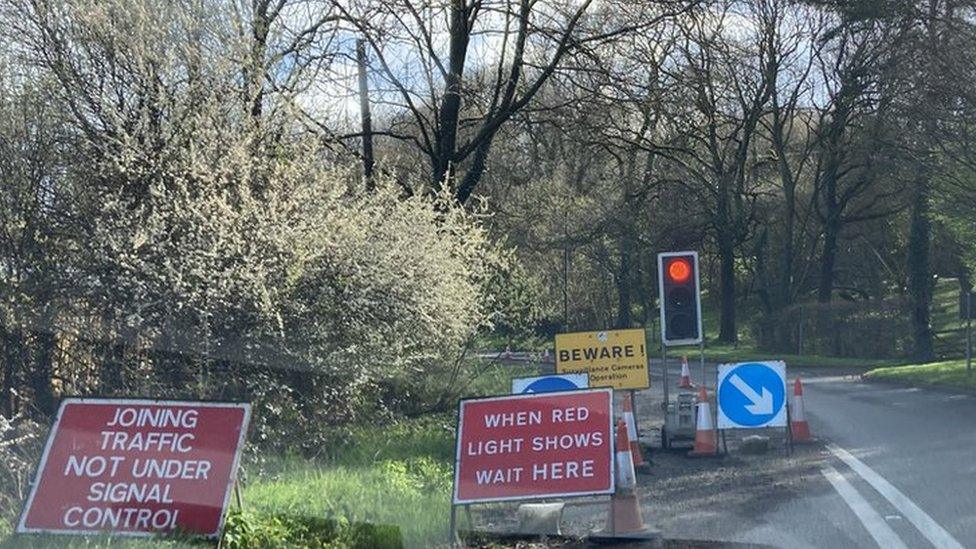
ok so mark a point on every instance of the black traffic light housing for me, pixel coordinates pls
(680, 298)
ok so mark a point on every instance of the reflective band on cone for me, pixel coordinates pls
(799, 427)
(626, 479)
(705, 439)
(685, 381)
(635, 449)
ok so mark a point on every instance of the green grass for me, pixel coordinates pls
(389, 484)
(490, 377)
(408, 499)
(951, 373)
(728, 353)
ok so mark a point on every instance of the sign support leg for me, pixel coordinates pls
(237, 495)
(633, 407)
(452, 535)
(789, 431)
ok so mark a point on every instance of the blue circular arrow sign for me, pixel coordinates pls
(550, 384)
(752, 394)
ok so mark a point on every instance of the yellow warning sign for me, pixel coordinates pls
(614, 358)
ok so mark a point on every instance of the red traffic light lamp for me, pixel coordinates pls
(679, 270)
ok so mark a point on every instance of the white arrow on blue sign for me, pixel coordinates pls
(751, 395)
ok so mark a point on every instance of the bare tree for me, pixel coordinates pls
(729, 84)
(464, 68)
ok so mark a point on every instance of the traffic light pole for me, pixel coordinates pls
(664, 374)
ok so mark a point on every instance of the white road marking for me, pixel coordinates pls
(827, 379)
(925, 524)
(883, 535)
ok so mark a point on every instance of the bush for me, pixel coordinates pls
(187, 248)
(246, 530)
(21, 441)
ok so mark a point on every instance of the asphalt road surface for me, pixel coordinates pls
(893, 467)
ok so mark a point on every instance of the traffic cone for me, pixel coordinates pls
(635, 449)
(799, 428)
(625, 520)
(705, 439)
(685, 381)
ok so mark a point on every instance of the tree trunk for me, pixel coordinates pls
(260, 26)
(828, 259)
(920, 284)
(727, 332)
(43, 368)
(12, 344)
(365, 116)
(724, 227)
(919, 269)
(832, 208)
(477, 169)
(784, 287)
(965, 286)
(451, 103)
(623, 283)
(111, 377)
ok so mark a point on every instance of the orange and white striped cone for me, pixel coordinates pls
(685, 381)
(706, 443)
(799, 428)
(625, 519)
(631, 422)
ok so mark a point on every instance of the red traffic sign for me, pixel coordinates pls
(534, 446)
(137, 467)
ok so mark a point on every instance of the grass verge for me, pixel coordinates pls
(950, 373)
(389, 487)
(728, 353)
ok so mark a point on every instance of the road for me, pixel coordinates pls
(895, 467)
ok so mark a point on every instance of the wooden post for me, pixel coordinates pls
(365, 115)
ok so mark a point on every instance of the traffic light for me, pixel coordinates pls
(680, 298)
